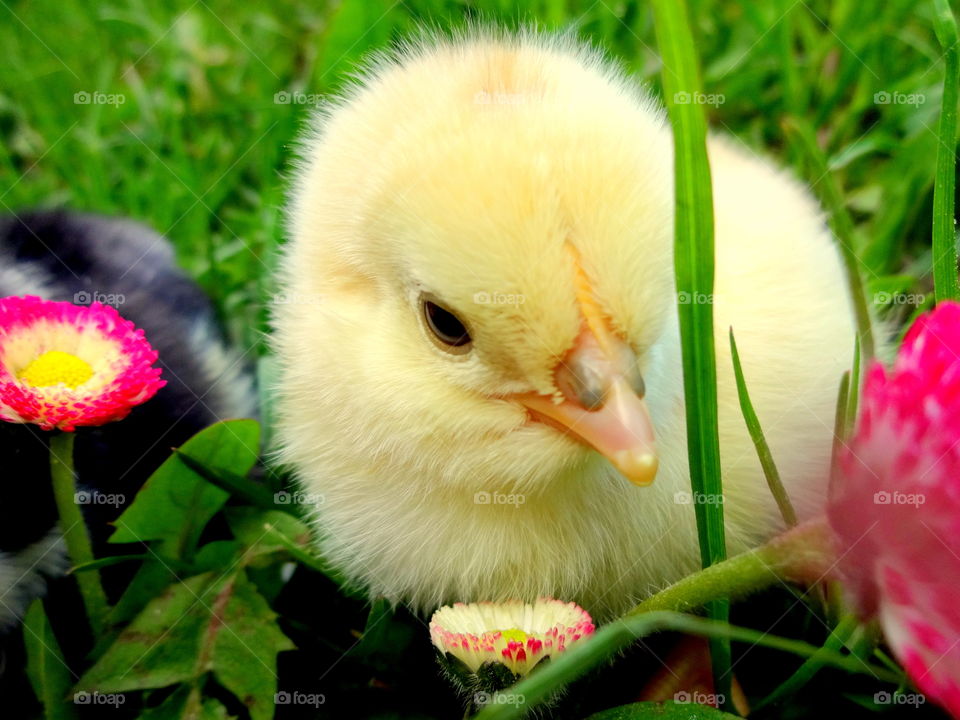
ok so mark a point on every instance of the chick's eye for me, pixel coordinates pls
(445, 326)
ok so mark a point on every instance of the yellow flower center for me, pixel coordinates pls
(56, 367)
(514, 634)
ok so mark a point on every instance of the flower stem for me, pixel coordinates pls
(799, 555)
(74, 529)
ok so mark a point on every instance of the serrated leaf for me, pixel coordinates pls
(150, 580)
(261, 530)
(46, 668)
(208, 622)
(176, 503)
(187, 704)
(245, 656)
(662, 711)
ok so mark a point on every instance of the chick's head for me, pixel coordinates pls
(480, 264)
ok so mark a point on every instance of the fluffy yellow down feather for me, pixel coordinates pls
(464, 169)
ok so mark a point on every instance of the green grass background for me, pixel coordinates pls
(200, 146)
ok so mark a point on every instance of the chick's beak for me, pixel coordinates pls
(602, 404)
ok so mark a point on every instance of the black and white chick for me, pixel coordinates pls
(81, 258)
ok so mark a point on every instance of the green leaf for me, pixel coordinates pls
(150, 580)
(263, 530)
(385, 639)
(237, 485)
(664, 711)
(46, 668)
(244, 658)
(176, 503)
(187, 704)
(207, 623)
(275, 530)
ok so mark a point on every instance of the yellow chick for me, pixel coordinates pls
(479, 341)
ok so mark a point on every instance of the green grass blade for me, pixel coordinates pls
(840, 222)
(838, 637)
(770, 471)
(694, 267)
(540, 685)
(840, 420)
(853, 396)
(48, 672)
(944, 230)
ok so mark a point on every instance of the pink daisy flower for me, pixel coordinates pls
(64, 366)
(514, 634)
(895, 504)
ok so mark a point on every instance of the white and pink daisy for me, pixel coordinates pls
(895, 504)
(514, 634)
(63, 366)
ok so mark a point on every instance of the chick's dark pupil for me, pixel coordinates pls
(445, 325)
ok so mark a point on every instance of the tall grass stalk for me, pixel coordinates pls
(694, 268)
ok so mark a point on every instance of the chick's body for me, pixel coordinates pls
(471, 171)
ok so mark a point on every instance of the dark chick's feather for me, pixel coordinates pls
(80, 258)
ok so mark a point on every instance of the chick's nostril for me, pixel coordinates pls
(583, 380)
